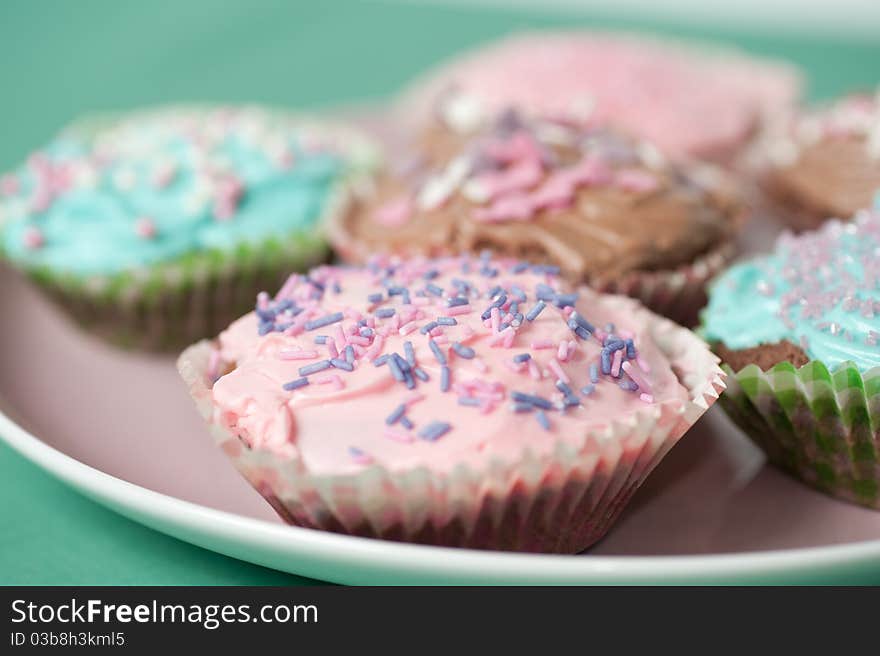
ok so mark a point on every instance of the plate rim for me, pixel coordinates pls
(318, 554)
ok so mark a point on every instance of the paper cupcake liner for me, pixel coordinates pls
(557, 502)
(819, 426)
(166, 306)
(171, 305)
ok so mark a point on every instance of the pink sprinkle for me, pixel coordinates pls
(562, 351)
(330, 379)
(297, 354)
(555, 367)
(421, 301)
(436, 331)
(495, 319)
(567, 310)
(398, 435)
(33, 238)
(466, 333)
(637, 376)
(643, 364)
(616, 362)
(263, 300)
(340, 337)
(636, 180)
(647, 398)
(376, 349)
(331, 348)
(534, 372)
(458, 309)
(394, 213)
(358, 340)
(145, 228)
(542, 344)
(516, 367)
(509, 337)
(406, 329)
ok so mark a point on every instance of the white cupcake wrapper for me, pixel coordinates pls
(561, 501)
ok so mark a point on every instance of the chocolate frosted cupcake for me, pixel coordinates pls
(601, 208)
(462, 401)
(691, 100)
(825, 163)
(156, 228)
(799, 333)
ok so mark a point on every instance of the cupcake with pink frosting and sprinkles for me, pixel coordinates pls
(798, 331)
(157, 228)
(603, 208)
(461, 401)
(691, 100)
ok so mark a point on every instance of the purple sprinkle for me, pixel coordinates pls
(522, 357)
(435, 430)
(375, 298)
(296, 384)
(594, 373)
(434, 289)
(339, 363)
(588, 389)
(396, 371)
(563, 300)
(365, 332)
(326, 320)
(537, 308)
(469, 400)
(564, 388)
(438, 352)
(523, 407)
(409, 352)
(384, 313)
(532, 399)
(428, 327)
(630, 349)
(606, 361)
(544, 292)
(315, 367)
(401, 362)
(396, 414)
(406, 423)
(447, 321)
(444, 378)
(628, 385)
(520, 267)
(463, 351)
(321, 339)
(541, 416)
(348, 353)
(431, 274)
(382, 359)
(456, 301)
(421, 374)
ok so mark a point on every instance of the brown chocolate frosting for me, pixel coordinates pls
(630, 211)
(827, 165)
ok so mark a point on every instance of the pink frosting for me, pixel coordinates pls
(687, 101)
(337, 422)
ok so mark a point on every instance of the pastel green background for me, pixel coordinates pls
(60, 59)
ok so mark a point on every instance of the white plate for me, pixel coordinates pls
(120, 428)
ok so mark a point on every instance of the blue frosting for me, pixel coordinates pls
(819, 290)
(147, 190)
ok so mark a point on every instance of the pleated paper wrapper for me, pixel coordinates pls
(820, 426)
(557, 502)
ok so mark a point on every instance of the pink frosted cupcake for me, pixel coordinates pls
(461, 401)
(690, 100)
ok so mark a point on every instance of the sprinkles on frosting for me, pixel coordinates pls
(516, 173)
(555, 378)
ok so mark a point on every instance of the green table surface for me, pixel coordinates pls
(60, 59)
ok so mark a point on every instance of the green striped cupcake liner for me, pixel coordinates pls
(820, 426)
(167, 306)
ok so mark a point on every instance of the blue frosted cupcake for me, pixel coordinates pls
(156, 228)
(798, 332)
